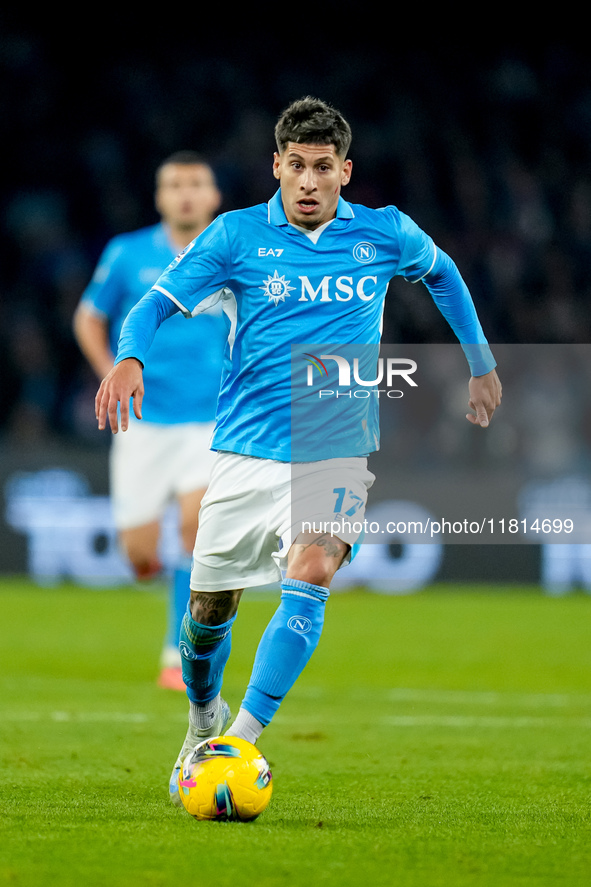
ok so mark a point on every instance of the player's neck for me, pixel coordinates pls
(182, 237)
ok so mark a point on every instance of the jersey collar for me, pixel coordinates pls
(277, 217)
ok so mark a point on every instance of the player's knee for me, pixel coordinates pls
(148, 570)
(315, 573)
(145, 566)
(140, 547)
(318, 562)
(214, 607)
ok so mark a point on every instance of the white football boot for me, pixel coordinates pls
(194, 737)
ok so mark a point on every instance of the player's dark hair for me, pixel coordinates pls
(313, 122)
(185, 158)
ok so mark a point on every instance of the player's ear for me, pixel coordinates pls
(277, 165)
(347, 170)
(216, 200)
(158, 199)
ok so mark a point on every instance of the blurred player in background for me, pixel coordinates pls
(166, 457)
(306, 267)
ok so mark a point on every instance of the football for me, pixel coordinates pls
(225, 779)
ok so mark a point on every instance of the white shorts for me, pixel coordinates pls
(254, 509)
(152, 465)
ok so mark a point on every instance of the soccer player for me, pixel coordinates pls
(307, 267)
(167, 457)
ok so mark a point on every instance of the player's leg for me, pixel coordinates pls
(190, 462)
(140, 546)
(171, 674)
(293, 633)
(231, 544)
(327, 490)
(141, 477)
(286, 646)
(205, 644)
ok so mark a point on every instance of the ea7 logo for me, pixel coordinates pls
(263, 251)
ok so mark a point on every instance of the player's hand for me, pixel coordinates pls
(123, 382)
(485, 396)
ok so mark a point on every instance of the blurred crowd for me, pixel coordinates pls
(489, 154)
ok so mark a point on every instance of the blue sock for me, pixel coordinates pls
(285, 647)
(204, 652)
(177, 601)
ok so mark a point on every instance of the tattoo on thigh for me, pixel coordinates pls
(332, 546)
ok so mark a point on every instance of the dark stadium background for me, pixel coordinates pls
(487, 149)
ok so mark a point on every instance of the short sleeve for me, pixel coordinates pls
(105, 290)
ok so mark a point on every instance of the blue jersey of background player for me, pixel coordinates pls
(306, 268)
(167, 456)
(185, 359)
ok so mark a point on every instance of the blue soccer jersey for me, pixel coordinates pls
(182, 375)
(283, 287)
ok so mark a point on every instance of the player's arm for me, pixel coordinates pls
(100, 306)
(193, 281)
(91, 331)
(124, 382)
(452, 297)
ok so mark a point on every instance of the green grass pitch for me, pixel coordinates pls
(441, 738)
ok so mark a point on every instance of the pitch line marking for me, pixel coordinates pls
(466, 721)
(78, 717)
(427, 720)
(492, 697)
